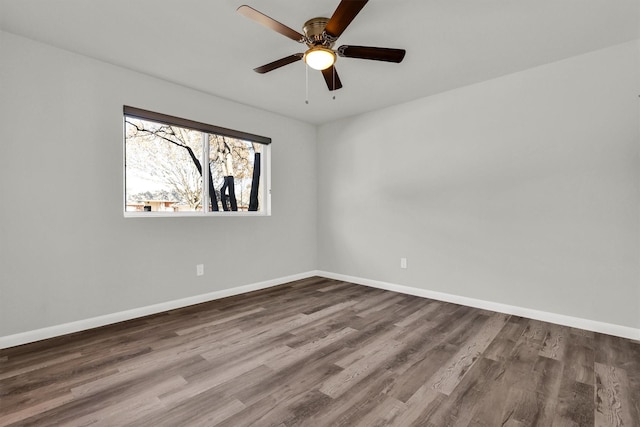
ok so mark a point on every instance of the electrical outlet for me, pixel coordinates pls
(200, 270)
(403, 263)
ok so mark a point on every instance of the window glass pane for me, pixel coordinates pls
(174, 165)
(162, 170)
(234, 174)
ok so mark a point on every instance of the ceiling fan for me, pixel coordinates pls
(320, 34)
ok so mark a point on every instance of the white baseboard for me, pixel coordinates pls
(559, 319)
(94, 322)
(108, 319)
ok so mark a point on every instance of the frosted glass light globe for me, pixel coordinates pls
(319, 58)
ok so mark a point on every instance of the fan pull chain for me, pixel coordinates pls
(306, 83)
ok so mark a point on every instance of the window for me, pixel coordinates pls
(164, 173)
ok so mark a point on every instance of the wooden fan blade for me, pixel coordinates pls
(279, 63)
(331, 78)
(262, 19)
(343, 15)
(375, 53)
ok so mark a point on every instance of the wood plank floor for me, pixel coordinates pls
(320, 352)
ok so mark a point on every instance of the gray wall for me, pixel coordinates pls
(67, 253)
(522, 190)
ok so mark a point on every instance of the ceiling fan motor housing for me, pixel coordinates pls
(314, 32)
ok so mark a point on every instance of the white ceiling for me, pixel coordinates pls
(206, 45)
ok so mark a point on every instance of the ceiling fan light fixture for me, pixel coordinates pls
(319, 58)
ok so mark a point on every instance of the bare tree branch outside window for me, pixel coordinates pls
(164, 169)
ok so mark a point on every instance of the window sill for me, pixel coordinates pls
(193, 214)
